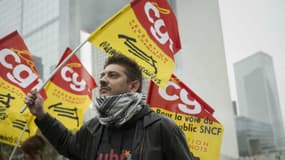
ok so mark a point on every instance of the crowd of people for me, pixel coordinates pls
(31, 149)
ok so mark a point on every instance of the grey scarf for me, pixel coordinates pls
(118, 109)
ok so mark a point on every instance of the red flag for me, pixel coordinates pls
(160, 22)
(177, 97)
(148, 34)
(69, 92)
(73, 76)
(194, 116)
(16, 63)
(17, 77)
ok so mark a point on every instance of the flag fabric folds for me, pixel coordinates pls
(17, 77)
(69, 92)
(193, 115)
(146, 31)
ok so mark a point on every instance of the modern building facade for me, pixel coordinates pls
(254, 137)
(47, 28)
(257, 93)
(201, 64)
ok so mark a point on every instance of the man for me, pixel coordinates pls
(33, 148)
(125, 128)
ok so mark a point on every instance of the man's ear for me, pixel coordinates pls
(134, 85)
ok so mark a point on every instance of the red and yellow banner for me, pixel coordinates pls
(17, 77)
(69, 92)
(146, 31)
(194, 116)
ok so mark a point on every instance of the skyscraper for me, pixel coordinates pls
(47, 27)
(257, 93)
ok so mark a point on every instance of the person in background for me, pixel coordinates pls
(1, 156)
(33, 148)
(125, 128)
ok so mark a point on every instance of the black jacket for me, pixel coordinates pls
(156, 138)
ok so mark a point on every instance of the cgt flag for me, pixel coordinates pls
(147, 33)
(175, 93)
(194, 116)
(69, 92)
(17, 77)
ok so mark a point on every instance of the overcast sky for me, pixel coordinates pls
(250, 26)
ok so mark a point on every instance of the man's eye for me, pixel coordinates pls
(113, 75)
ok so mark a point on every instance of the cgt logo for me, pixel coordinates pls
(158, 27)
(18, 73)
(186, 105)
(70, 76)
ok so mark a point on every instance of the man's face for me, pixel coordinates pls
(114, 81)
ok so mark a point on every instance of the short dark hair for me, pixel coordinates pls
(34, 144)
(133, 70)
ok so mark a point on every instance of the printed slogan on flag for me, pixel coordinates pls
(69, 93)
(145, 31)
(17, 77)
(194, 116)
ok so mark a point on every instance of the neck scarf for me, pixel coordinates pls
(118, 109)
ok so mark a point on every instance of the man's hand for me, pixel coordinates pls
(35, 103)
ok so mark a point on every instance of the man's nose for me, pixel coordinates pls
(103, 80)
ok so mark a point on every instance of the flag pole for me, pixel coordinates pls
(41, 87)
(56, 69)
(18, 141)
